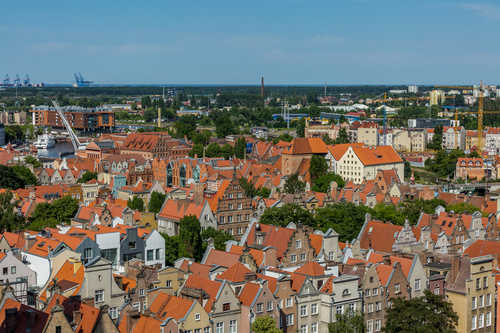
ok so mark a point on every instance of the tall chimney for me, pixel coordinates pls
(10, 319)
(159, 117)
(262, 87)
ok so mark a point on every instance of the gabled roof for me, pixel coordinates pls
(235, 273)
(41, 246)
(90, 314)
(384, 273)
(249, 293)
(312, 268)
(22, 317)
(258, 255)
(377, 155)
(482, 248)
(221, 258)
(165, 306)
(207, 285)
(379, 236)
(306, 146)
(143, 325)
(14, 240)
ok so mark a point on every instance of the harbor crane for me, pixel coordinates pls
(74, 139)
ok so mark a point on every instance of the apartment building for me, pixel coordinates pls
(449, 138)
(80, 119)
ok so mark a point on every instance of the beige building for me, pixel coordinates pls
(368, 134)
(437, 96)
(357, 164)
(412, 141)
(471, 290)
(449, 138)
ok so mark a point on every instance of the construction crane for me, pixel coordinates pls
(74, 139)
(481, 89)
(27, 81)
(17, 81)
(81, 82)
(6, 80)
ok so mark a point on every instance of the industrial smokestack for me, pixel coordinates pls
(159, 117)
(262, 87)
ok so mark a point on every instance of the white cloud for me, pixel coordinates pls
(483, 9)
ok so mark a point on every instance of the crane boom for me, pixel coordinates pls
(74, 139)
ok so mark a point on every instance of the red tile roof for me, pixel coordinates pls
(483, 248)
(312, 268)
(165, 306)
(380, 236)
(21, 323)
(306, 146)
(209, 286)
(235, 273)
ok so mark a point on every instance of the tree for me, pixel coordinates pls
(282, 216)
(171, 249)
(444, 164)
(294, 185)
(10, 179)
(149, 115)
(9, 219)
(318, 167)
(197, 150)
(223, 126)
(322, 184)
(226, 151)
(220, 237)
(348, 322)
(413, 208)
(314, 110)
(25, 174)
(301, 128)
(136, 203)
(342, 137)
(430, 313)
(88, 175)
(345, 218)
(240, 148)
(190, 238)
(49, 215)
(265, 192)
(388, 213)
(213, 150)
(265, 324)
(33, 161)
(462, 207)
(250, 190)
(437, 139)
(407, 170)
(156, 202)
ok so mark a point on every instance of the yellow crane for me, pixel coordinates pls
(481, 89)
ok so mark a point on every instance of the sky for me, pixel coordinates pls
(240, 41)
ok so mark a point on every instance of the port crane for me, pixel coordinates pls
(74, 139)
(481, 89)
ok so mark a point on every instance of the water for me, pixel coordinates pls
(60, 147)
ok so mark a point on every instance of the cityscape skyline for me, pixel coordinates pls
(286, 42)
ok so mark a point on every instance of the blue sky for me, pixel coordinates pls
(239, 41)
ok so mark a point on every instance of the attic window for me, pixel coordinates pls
(370, 231)
(396, 234)
(463, 162)
(41, 244)
(450, 224)
(346, 292)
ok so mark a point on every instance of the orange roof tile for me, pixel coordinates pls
(258, 255)
(384, 273)
(209, 286)
(235, 273)
(165, 306)
(248, 293)
(14, 240)
(312, 268)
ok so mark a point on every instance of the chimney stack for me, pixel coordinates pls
(132, 318)
(77, 317)
(455, 268)
(10, 319)
(30, 319)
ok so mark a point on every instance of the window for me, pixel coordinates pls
(314, 308)
(131, 245)
(488, 299)
(260, 307)
(230, 231)
(226, 307)
(339, 309)
(229, 219)
(99, 296)
(240, 206)
(197, 330)
(168, 284)
(397, 288)
(158, 254)
(293, 258)
(488, 319)
(352, 307)
(378, 325)
(369, 308)
(480, 321)
(150, 255)
(303, 310)
(378, 306)
(142, 293)
(58, 329)
(331, 256)
(303, 328)
(197, 317)
(473, 323)
(289, 319)
(485, 282)
(369, 326)
(240, 195)
(302, 257)
(289, 302)
(233, 326)
(113, 312)
(367, 292)
(481, 301)
(136, 305)
(417, 284)
(269, 306)
(298, 243)
(239, 230)
(314, 328)
(230, 206)
(478, 283)
(375, 292)
(219, 328)
(221, 219)
(474, 303)
(87, 253)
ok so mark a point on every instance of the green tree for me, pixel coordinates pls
(430, 313)
(240, 148)
(322, 184)
(462, 207)
(345, 218)
(294, 185)
(149, 115)
(48, 215)
(314, 110)
(444, 164)
(342, 137)
(413, 208)
(33, 161)
(197, 150)
(348, 322)
(10, 179)
(145, 102)
(25, 174)
(437, 139)
(301, 128)
(219, 237)
(317, 168)
(249, 188)
(213, 150)
(227, 151)
(156, 202)
(264, 192)
(287, 213)
(190, 238)
(172, 244)
(223, 126)
(201, 138)
(10, 220)
(265, 324)
(88, 175)
(407, 170)
(136, 203)
(388, 213)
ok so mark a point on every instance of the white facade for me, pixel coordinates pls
(154, 249)
(13, 269)
(41, 265)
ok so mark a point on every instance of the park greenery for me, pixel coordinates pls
(49, 215)
(15, 177)
(348, 322)
(265, 324)
(156, 202)
(136, 203)
(87, 176)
